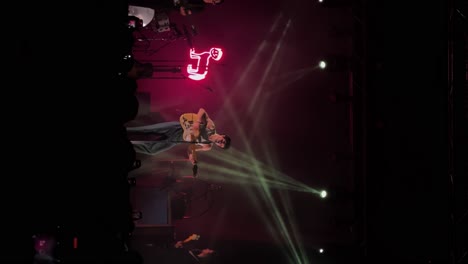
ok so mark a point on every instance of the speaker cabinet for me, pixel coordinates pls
(154, 205)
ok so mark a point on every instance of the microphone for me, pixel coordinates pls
(194, 30)
(195, 170)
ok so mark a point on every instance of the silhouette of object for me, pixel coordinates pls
(342, 156)
(132, 181)
(136, 165)
(126, 101)
(140, 70)
(179, 204)
(340, 98)
(137, 215)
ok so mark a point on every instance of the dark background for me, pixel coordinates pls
(404, 189)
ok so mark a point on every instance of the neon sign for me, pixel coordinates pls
(199, 72)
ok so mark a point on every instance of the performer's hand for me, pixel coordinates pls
(179, 244)
(192, 159)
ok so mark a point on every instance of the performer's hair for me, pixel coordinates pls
(228, 141)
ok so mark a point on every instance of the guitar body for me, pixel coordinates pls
(186, 121)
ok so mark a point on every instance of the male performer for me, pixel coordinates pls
(197, 130)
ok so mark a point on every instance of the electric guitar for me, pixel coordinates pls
(186, 121)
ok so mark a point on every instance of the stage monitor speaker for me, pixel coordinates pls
(154, 205)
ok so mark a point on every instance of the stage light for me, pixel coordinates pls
(321, 250)
(335, 63)
(323, 194)
(322, 64)
(320, 1)
(144, 13)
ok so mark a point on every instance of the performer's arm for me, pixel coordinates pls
(179, 244)
(203, 147)
(203, 118)
(194, 148)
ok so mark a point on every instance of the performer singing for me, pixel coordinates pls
(197, 130)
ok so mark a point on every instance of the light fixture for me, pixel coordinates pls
(322, 64)
(335, 63)
(323, 194)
